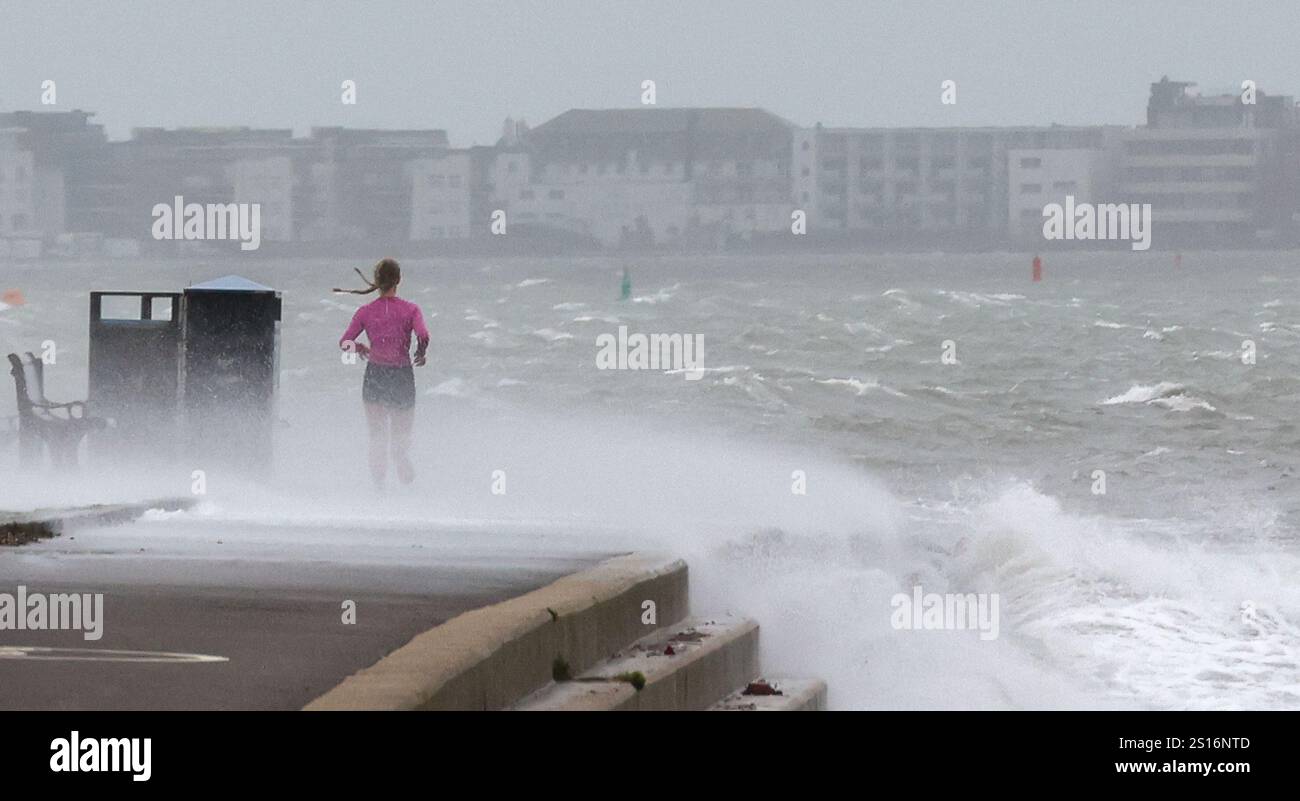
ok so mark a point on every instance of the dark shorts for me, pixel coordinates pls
(389, 386)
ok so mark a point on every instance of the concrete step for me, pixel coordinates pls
(796, 695)
(690, 666)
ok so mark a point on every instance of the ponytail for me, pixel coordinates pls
(386, 276)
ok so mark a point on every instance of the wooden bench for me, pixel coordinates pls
(59, 427)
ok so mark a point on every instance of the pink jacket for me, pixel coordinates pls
(388, 323)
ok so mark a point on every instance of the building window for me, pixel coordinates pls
(805, 145)
(453, 180)
(526, 194)
(513, 167)
(1031, 163)
(1031, 189)
(805, 171)
(18, 222)
(1065, 186)
(556, 194)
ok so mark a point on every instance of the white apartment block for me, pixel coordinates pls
(921, 182)
(1039, 176)
(17, 182)
(441, 196)
(604, 199)
(662, 176)
(1204, 179)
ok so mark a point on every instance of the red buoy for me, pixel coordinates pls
(1038, 269)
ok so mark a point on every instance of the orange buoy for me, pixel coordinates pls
(1038, 269)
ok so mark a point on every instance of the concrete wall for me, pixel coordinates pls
(491, 657)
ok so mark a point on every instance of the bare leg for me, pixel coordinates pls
(377, 420)
(402, 422)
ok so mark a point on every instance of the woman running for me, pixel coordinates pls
(389, 386)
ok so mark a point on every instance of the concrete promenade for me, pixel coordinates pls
(244, 616)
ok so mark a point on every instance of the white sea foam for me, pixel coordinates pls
(1139, 393)
(660, 296)
(551, 335)
(1165, 394)
(859, 386)
(452, 387)
(977, 300)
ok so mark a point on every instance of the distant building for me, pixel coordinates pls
(482, 166)
(73, 181)
(1176, 104)
(338, 184)
(213, 166)
(1289, 176)
(359, 182)
(649, 175)
(1216, 169)
(17, 178)
(441, 200)
(270, 181)
(1040, 176)
(929, 184)
(1212, 168)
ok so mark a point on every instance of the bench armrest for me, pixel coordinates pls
(78, 406)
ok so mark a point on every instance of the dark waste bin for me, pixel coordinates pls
(231, 372)
(134, 375)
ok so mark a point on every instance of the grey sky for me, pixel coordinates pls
(465, 66)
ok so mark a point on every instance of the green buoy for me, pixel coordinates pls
(627, 286)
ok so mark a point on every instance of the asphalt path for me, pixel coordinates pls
(237, 616)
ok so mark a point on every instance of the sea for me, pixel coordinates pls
(1111, 452)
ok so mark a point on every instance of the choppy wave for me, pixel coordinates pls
(1166, 393)
(660, 296)
(551, 335)
(859, 386)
